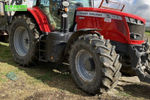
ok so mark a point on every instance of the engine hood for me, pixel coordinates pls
(114, 12)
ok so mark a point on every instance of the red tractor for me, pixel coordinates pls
(94, 40)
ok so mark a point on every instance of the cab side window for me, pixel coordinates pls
(54, 6)
(74, 4)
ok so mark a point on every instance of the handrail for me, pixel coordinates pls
(101, 5)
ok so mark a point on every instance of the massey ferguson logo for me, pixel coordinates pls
(107, 17)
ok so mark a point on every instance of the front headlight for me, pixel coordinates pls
(139, 22)
(127, 19)
(134, 21)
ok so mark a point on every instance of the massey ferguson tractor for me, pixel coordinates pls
(94, 38)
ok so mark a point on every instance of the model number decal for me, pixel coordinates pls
(108, 20)
(107, 16)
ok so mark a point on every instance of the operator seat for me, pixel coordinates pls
(56, 18)
(51, 7)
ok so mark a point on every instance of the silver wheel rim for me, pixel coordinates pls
(85, 65)
(21, 41)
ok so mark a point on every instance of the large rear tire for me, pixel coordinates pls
(94, 64)
(23, 40)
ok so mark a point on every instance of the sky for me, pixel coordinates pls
(137, 7)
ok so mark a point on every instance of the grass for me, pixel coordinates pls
(37, 78)
(147, 33)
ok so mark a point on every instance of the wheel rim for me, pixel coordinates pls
(85, 65)
(21, 41)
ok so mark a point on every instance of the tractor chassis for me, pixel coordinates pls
(52, 46)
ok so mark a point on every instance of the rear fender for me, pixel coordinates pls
(38, 15)
(41, 19)
(74, 36)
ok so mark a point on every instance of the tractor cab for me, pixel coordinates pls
(52, 9)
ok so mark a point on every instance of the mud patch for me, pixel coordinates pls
(57, 95)
(138, 90)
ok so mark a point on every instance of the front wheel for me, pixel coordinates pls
(94, 64)
(143, 69)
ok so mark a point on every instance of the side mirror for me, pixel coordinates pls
(63, 8)
(18, 2)
(65, 3)
(107, 1)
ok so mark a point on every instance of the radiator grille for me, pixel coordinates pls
(136, 31)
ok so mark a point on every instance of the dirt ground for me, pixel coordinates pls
(47, 81)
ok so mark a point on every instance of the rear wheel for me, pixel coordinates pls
(94, 64)
(23, 40)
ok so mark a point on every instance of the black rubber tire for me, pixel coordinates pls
(33, 33)
(106, 60)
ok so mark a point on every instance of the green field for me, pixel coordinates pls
(148, 33)
(44, 77)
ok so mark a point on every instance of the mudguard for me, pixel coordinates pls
(75, 35)
(41, 19)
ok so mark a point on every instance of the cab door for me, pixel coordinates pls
(50, 9)
(55, 5)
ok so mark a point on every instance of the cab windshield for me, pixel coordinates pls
(50, 8)
(84, 3)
